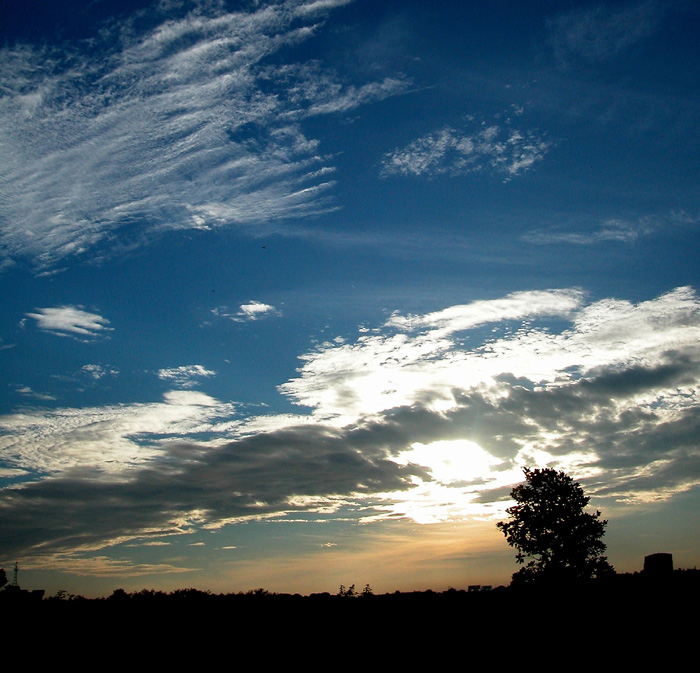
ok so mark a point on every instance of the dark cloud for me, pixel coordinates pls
(615, 397)
(255, 476)
(300, 467)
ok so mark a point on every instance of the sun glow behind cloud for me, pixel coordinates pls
(425, 425)
(619, 365)
(459, 469)
(269, 272)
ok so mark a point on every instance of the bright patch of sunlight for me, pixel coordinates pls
(451, 461)
(461, 470)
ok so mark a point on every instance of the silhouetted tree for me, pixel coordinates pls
(119, 595)
(556, 540)
(349, 592)
(3, 577)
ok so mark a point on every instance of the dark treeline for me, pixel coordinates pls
(630, 587)
(627, 613)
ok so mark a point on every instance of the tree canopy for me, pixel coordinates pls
(555, 538)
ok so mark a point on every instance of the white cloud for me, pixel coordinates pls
(515, 306)
(184, 376)
(28, 392)
(315, 91)
(108, 438)
(414, 356)
(256, 310)
(253, 310)
(500, 149)
(72, 321)
(97, 372)
(185, 125)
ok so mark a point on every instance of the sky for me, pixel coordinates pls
(292, 291)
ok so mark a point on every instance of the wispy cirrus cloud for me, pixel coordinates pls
(26, 391)
(496, 148)
(611, 230)
(72, 321)
(102, 566)
(187, 124)
(599, 33)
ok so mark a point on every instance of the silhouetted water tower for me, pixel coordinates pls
(658, 565)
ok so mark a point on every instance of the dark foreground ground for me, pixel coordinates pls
(628, 621)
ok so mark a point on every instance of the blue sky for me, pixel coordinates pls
(292, 291)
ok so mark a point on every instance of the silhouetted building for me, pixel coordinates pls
(658, 564)
(13, 593)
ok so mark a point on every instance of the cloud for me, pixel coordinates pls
(97, 372)
(184, 376)
(611, 395)
(253, 310)
(428, 417)
(101, 566)
(28, 392)
(601, 33)
(494, 148)
(188, 123)
(252, 477)
(256, 310)
(611, 230)
(73, 321)
(106, 439)
(414, 357)
(311, 90)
